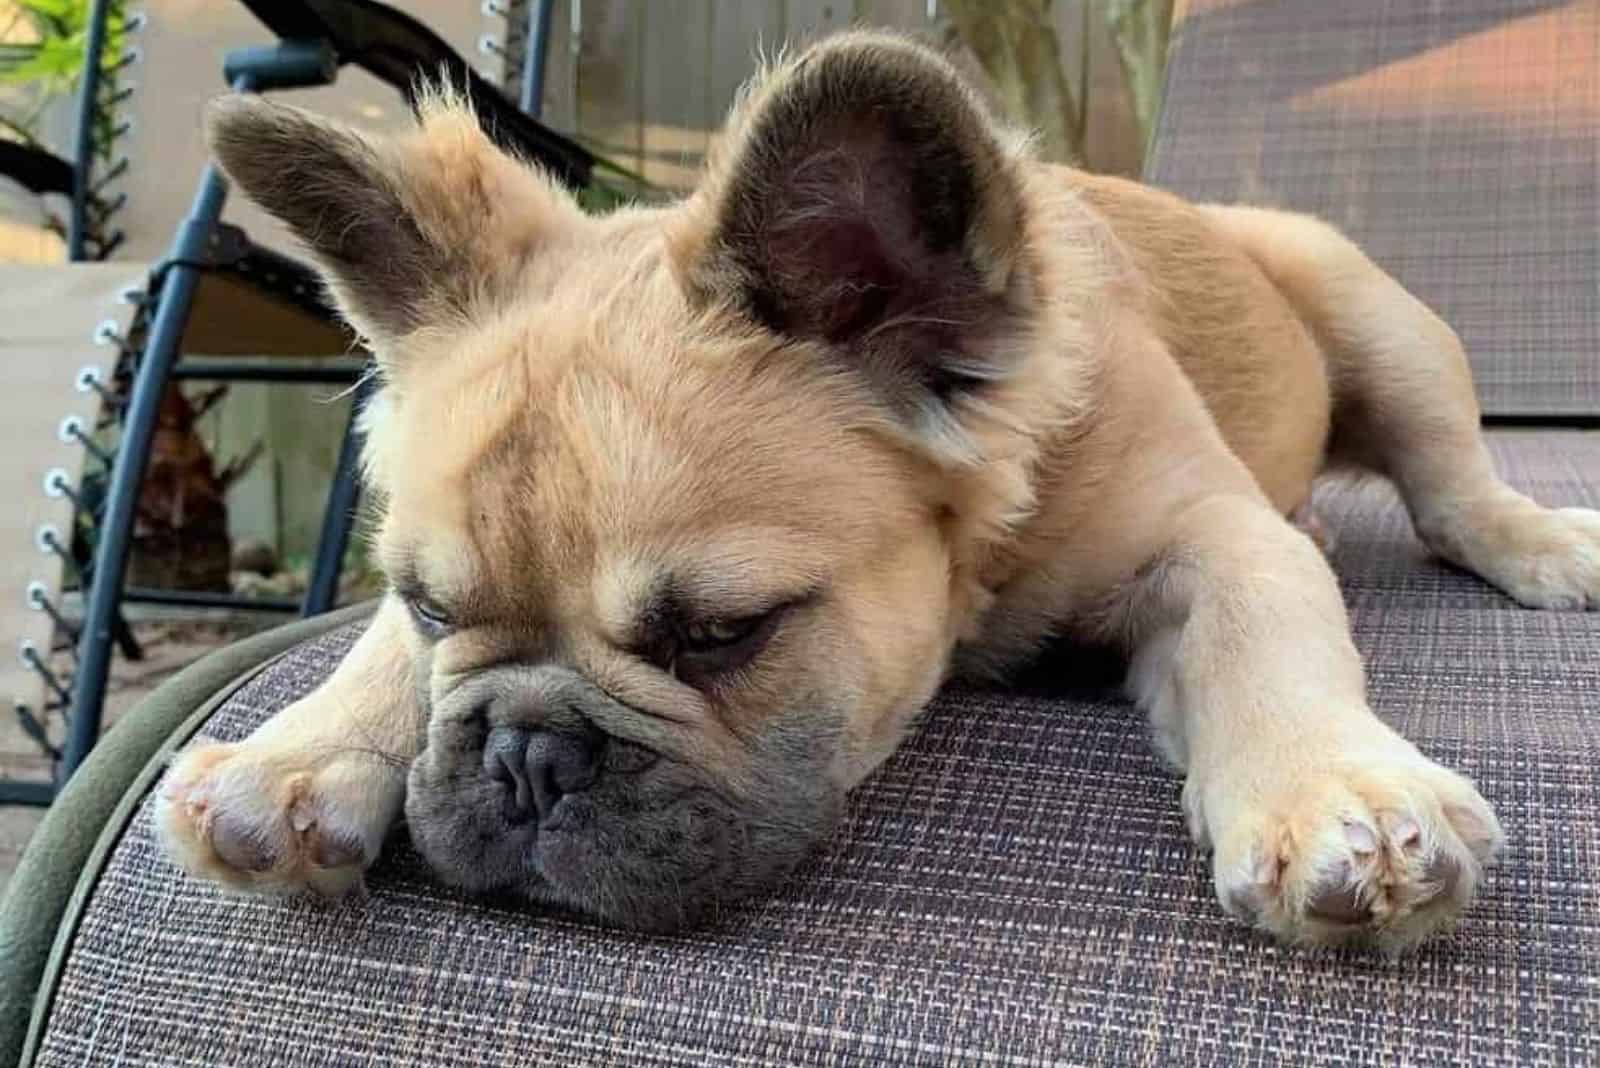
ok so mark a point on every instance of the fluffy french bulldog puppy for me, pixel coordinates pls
(688, 510)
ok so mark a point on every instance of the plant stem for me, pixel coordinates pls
(20, 132)
(1141, 29)
(1015, 42)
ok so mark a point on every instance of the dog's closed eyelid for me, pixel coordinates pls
(412, 591)
(433, 616)
(407, 581)
(711, 607)
(665, 629)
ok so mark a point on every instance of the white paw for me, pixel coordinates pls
(1544, 558)
(1386, 848)
(252, 818)
(1560, 565)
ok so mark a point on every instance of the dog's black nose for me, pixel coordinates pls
(541, 766)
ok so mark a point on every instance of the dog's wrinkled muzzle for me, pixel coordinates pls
(531, 784)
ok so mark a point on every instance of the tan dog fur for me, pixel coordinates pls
(571, 404)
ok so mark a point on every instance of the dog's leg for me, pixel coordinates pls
(1405, 407)
(306, 800)
(1326, 824)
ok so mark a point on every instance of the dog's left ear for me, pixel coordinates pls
(866, 202)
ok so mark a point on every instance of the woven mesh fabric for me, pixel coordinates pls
(1014, 887)
(1456, 141)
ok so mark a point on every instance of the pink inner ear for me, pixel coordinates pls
(853, 231)
(842, 238)
(851, 274)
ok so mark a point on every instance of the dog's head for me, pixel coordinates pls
(680, 499)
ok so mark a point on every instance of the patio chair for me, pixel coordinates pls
(48, 311)
(223, 308)
(1015, 886)
(86, 184)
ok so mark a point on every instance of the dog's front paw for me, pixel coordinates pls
(254, 817)
(1386, 850)
(1542, 557)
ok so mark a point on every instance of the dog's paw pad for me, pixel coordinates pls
(240, 845)
(257, 821)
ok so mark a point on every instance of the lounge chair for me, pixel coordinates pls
(1015, 886)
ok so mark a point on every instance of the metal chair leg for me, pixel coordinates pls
(36, 794)
(133, 454)
(286, 65)
(534, 49)
(88, 97)
(123, 635)
(323, 588)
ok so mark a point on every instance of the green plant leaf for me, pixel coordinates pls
(57, 9)
(55, 61)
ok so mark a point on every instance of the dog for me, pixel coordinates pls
(688, 510)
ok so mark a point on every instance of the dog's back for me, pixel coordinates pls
(1237, 337)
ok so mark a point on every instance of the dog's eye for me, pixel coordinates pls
(433, 620)
(707, 648)
(719, 633)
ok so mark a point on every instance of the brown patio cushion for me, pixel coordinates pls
(1455, 139)
(1015, 887)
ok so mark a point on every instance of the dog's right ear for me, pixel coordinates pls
(410, 232)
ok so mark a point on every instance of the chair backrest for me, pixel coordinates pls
(35, 169)
(401, 51)
(1459, 142)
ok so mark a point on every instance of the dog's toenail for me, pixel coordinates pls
(1403, 831)
(1443, 872)
(1361, 837)
(1265, 869)
(1242, 904)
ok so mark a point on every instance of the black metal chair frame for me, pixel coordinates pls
(85, 181)
(316, 38)
(96, 99)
